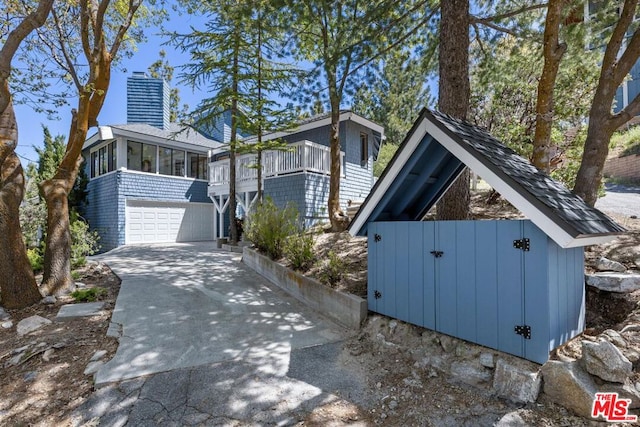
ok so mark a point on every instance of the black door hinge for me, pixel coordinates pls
(377, 237)
(377, 294)
(437, 254)
(523, 330)
(522, 244)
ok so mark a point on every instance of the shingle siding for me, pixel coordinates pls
(108, 194)
(147, 100)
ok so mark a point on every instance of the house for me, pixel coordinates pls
(300, 174)
(515, 286)
(148, 178)
(152, 181)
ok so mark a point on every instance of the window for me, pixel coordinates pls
(103, 159)
(170, 161)
(197, 164)
(141, 157)
(364, 150)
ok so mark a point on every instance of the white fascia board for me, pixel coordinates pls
(91, 140)
(590, 240)
(389, 177)
(553, 230)
(152, 139)
(362, 121)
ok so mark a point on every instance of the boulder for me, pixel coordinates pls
(614, 338)
(625, 391)
(605, 361)
(512, 419)
(7, 325)
(568, 385)
(470, 373)
(614, 282)
(48, 300)
(605, 264)
(487, 360)
(3, 314)
(92, 367)
(517, 383)
(31, 324)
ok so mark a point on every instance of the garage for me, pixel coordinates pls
(165, 222)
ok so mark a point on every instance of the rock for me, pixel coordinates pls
(633, 327)
(568, 385)
(467, 351)
(98, 355)
(614, 338)
(80, 285)
(605, 361)
(393, 405)
(59, 345)
(487, 360)
(517, 383)
(512, 419)
(30, 376)
(20, 349)
(16, 359)
(614, 282)
(470, 373)
(625, 391)
(7, 325)
(31, 324)
(92, 367)
(3, 314)
(392, 326)
(448, 343)
(48, 354)
(605, 264)
(48, 300)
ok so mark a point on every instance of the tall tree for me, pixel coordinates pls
(553, 50)
(84, 41)
(162, 69)
(342, 39)
(17, 283)
(620, 55)
(454, 93)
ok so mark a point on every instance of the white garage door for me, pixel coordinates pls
(161, 222)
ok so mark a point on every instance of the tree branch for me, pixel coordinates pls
(476, 20)
(615, 42)
(69, 63)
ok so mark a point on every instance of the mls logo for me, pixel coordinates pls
(613, 410)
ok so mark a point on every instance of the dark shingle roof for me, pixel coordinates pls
(176, 132)
(431, 158)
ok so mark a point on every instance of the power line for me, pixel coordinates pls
(26, 158)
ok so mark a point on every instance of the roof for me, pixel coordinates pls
(433, 155)
(175, 133)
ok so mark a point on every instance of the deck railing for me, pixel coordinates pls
(303, 156)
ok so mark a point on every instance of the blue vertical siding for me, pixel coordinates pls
(481, 287)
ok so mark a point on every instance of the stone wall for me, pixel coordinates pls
(627, 167)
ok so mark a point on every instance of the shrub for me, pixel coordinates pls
(35, 259)
(83, 241)
(332, 270)
(298, 249)
(88, 295)
(267, 227)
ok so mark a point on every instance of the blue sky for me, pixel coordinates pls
(114, 110)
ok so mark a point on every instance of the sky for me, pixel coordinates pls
(114, 110)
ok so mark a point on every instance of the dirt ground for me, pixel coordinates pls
(45, 388)
(44, 392)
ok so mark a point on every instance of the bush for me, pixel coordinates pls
(83, 241)
(332, 270)
(267, 227)
(88, 295)
(299, 251)
(35, 259)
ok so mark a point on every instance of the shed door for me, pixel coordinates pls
(461, 278)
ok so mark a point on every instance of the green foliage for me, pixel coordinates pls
(84, 242)
(332, 269)
(385, 155)
(89, 295)
(268, 227)
(298, 249)
(161, 69)
(35, 259)
(76, 275)
(628, 140)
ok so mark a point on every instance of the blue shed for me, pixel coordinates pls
(515, 286)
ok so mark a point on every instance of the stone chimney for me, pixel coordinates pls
(147, 100)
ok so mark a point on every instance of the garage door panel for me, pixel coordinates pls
(160, 222)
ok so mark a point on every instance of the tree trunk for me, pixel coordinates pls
(453, 93)
(233, 230)
(17, 285)
(339, 221)
(553, 51)
(596, 149)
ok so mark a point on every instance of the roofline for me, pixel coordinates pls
(94, 139)
(322, 121)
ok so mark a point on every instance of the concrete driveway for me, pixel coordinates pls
(186, 305)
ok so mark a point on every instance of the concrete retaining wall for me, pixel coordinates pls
(627, 167)
(346, 309)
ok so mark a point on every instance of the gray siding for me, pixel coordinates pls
(147, 100)
(481, 287)
(108, 194)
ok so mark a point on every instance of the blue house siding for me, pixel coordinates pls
(108, 195)
(480, 287)
(357, 180)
